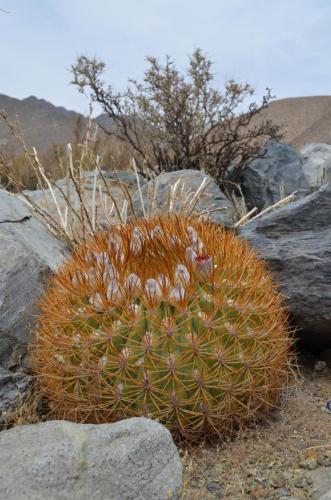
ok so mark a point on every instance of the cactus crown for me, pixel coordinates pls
(169, 318)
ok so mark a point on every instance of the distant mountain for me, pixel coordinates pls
(42, 123)
(304, 120)
(104, 121)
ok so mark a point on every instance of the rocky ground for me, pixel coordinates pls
(289, 457)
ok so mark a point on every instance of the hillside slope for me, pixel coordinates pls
(304, 119)
(42, 123)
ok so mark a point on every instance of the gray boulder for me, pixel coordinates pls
(28, 254)
(296, 243)
(191, 181)
(316, 160)
(13, 389)
(132, 459)
(279, 172)
(44, 198)
(128, 178)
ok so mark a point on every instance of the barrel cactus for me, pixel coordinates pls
(170, 318)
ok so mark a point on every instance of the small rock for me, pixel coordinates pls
(13, 391)
(251, 472)
(311, 453)
(214, 486)
(324, 461)
(261, 480)
(328, 406)
(302, 482)
(283, 493)
(320, 366)
(278, 481)
(299, 446)
(256, 493)
(309, 464)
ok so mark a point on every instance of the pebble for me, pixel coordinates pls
(324, 461)
(320, 366)
(214, 486)
(278, 480)
(261, 480)
(299, 446)
(283, 493)
(302, 482)
(251, 472)
(309, 464)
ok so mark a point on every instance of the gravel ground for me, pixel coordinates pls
(288, 457)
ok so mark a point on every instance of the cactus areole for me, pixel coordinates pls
(170, 318)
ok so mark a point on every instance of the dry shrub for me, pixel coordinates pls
(173, 120)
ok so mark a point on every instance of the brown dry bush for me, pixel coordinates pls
(175, 121)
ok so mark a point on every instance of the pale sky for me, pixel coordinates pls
(283, 44)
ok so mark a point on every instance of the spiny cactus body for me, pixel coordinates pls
(173, 319)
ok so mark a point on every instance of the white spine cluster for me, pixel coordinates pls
(114, 292)
(177, 293)
(153, 289)
(133, 284)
